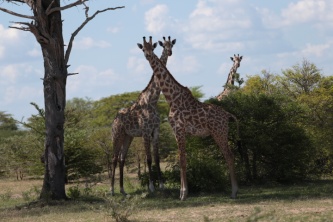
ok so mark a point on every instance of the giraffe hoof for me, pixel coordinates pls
(123, 192)
(183, 195)
(112, 192)
(151, 187)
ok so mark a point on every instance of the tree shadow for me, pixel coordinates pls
(253, 194)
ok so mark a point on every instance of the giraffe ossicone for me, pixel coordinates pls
(187, 115)
(140, 120)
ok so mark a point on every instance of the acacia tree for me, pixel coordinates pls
(45, 24)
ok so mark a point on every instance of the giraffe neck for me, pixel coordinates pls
(231, 76)
(230, 81)
(151, 93)
(175, 93)
(164, 57)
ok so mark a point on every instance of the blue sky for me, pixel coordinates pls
(271, 35)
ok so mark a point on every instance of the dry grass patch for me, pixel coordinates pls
(311, 201)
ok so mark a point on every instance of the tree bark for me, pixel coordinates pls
(46, 26)
(54, 82)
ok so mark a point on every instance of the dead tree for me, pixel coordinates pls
(45, 24)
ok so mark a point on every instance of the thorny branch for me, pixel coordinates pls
(78, 2)
(17, 14)
(70, 44)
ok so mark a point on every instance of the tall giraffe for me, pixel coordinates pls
(140, 120)
(189, 116)
(231, 76)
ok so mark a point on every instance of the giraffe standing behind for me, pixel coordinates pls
(140, 120)
(189, 116)
(231, 77)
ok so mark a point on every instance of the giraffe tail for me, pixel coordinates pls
(238, 139)
(237, 124)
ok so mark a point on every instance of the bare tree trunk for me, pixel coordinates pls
(55, 100)
(46, 25)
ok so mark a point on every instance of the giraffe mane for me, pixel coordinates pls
(173, 78)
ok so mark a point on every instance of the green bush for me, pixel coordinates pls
(206, 170)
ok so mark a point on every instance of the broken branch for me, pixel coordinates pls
(17, 14)
(70, 44)
(50, 11)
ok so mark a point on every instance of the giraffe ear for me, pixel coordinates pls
(140, 46)
(232, 59)
(173, 42)
(161, 43)
(241, 57)
(154, 45)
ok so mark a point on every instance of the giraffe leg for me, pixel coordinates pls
(157, 157)
(222, 141)
(182, 160)
(178, 128)
(146, 139)
(183, 179)
(127, 142)
(117, 144)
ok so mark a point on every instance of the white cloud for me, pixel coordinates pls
(224, 69)
(137, 65)
(9, 95)
(8, 35)
(304, 11)
(35, 52)
(113, 29)
(2, 51)
(27, 92)
(107, 76)
(13, 94)
(155, 19)
(88, 42)
(311, 12)
(213, 22)
(317, 50)
(90, 79)
(184, 65)
(9, 74)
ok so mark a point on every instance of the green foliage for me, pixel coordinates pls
(206, 170)
(80, 160)
(74, 192)
(7, 123)
(144, 177)
(274, 147)
(105, 109)
(196, 92)
(301, 78)
(121, 209)
(20, 155)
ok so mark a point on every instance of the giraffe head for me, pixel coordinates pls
(147, 47)
(167, 45)
(236, 59)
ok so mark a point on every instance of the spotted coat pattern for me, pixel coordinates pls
(140, 120)
(189, 116)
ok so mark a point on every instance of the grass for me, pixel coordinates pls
(308, 201)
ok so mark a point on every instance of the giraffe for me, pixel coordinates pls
(140, 120)
(187, 115)
(231, 76)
